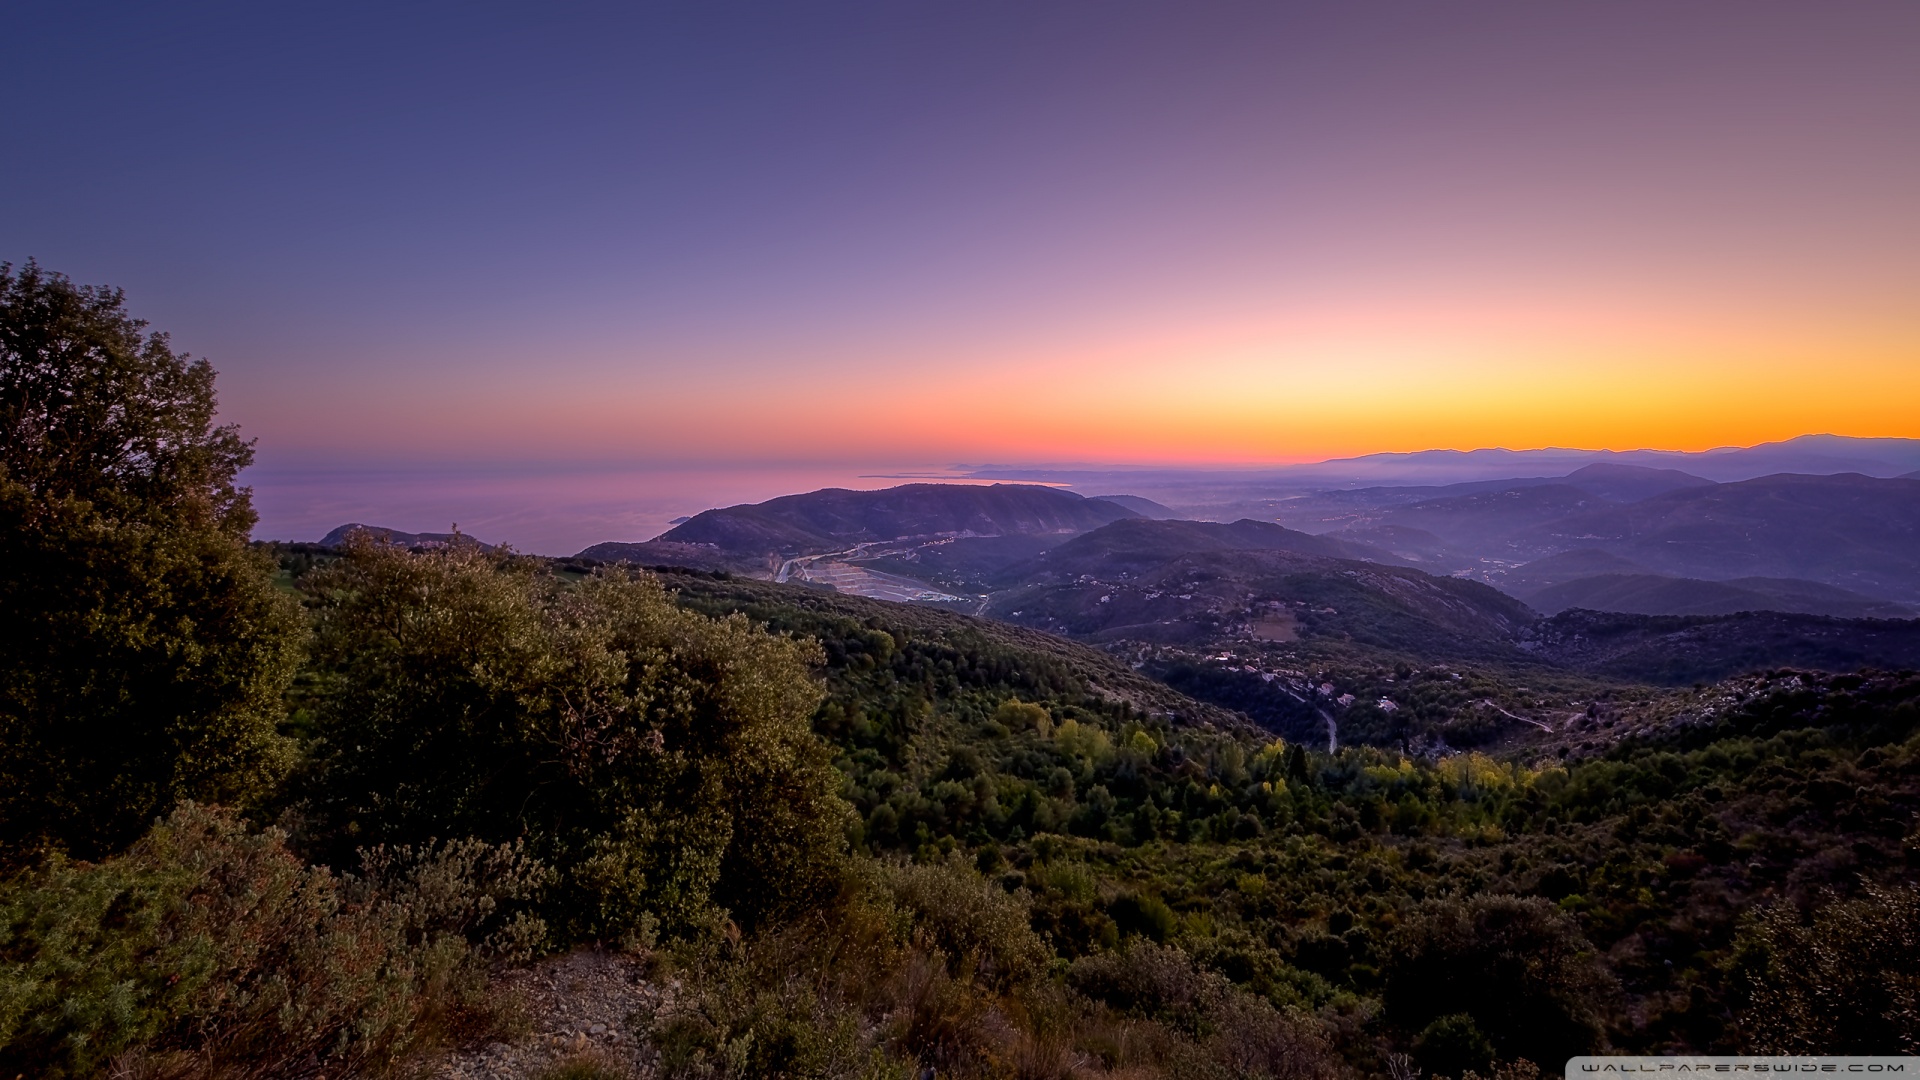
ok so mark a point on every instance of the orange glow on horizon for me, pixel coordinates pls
(1334, 387)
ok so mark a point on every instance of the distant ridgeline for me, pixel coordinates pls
(756, 539)
(1417, 574)
(398, 538)
(1697, 580)
(1845, 544)
(836, 518)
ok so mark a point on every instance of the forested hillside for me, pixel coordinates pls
(1363, 881)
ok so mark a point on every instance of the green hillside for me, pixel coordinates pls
(1330, 882)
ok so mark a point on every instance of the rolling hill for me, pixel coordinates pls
(1855, 532)
(1601, 581)
(1478, 513)
(1100, 573)
(1497, 524)
(1631, 483)
(1146, 508)
(1199, 582)
(835, 518)
(1124, 544)
(1562, 568)
(967, 653)
(1849, 531)
(690, 556)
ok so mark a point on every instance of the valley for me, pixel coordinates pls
(1288, 754)
(1489, 614)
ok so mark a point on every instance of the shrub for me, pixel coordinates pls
(800, 1000)
(982, 930)
(1017, 715)
(1227, 1032)
(208, 949)
(662, 762)
(1148, 916)
(1453, 1045)
(1252, 1040)
(1842, 981)
(1157, 982)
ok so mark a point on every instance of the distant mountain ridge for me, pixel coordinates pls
(1852, 531)
(1849, 531)
(1146, 508)
(836, 518)
(1632, 483)
(397, 537)
(1753, 564)
(1810, 454)
(1362, 507)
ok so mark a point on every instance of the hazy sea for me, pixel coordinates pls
(541, 510)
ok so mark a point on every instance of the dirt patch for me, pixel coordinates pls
(584, 1006)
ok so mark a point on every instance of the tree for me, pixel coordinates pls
(662, 762)
(147, 651)
(93, 410)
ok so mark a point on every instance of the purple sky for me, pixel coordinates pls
(847, 237)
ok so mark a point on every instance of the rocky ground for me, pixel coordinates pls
(583, 1009)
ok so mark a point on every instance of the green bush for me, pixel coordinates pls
(1155, 982)
(1222, 1031)
(662, 762)
(1148, 916)
(804, 999)
(983, 931)
(1017, 715)
(1845, 980)
(208, 949)
(1453, 1045)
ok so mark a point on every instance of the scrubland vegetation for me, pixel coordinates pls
(297, 830)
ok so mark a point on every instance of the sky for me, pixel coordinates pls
(438, 243)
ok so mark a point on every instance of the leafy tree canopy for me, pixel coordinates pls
(147, 650)
(92, 408)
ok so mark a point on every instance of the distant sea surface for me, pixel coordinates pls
(541, 510)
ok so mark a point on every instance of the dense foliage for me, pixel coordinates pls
(211, 949)
(146, 652)
(93, 410)
(659, 760)
(1849, 975)
(1620, 882)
